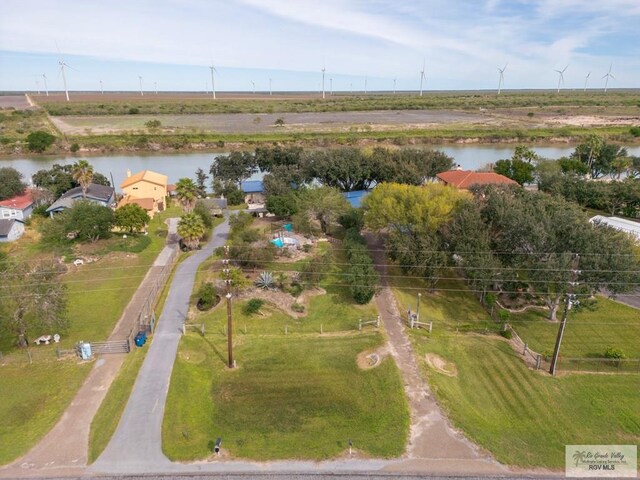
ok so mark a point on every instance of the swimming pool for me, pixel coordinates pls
(283, 241)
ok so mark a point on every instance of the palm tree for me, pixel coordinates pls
(82, 173)
(191, 228)
(187, 193)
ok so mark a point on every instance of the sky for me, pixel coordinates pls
(461, 43)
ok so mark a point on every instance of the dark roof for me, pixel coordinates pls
(94, 191)
(252, 186)
(6, 224)
(101, 193)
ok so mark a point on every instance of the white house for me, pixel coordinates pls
(622, 224)
(18, 207)
(11, 229)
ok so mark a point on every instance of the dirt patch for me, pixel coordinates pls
(283, 300)
(372, 358)
(440, 365)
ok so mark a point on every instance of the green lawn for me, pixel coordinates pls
(522, 417)
(290, 397)
(33, 398)
(106, 420)
(588, 332)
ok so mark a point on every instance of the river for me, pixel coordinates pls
(178, 165)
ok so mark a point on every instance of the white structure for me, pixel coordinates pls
(622, 224)
(11, 229)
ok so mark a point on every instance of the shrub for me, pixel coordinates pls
(295, 289)
(134, 111)
(39, 141)
(265, 281)
(506, 334)
(635, 131)
(207, 296)
(74, 148)
(296, 307)
(153, 124)
(614, 353)
(252, 306)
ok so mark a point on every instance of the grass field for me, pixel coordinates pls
(523, 417)
(114, 104)
(98, 293)
(588, 332)
(291, 397)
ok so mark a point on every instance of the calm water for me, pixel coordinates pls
(178, 165)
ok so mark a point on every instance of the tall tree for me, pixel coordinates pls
(34, 299)
(187, 193)
(201, 181)
(235, 167)
(11, 183)
(191, 228)
(323, 204)
(82, 173)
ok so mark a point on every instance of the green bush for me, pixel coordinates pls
(252, 306)
(296, 307)
(153, 124)
(74, 148)
(506, 334)
(39, 141)
(614, 353)
(134, 111)
(635, 131)
(207, 296)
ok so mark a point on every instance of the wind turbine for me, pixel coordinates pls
(254, 86)
(323, 70)
(561, 77)
(46, 89)
(64, 78)
(331, 86)
(141, 92)
(101, 88)
(501, 79)
(270, 91)
(38, 86)
(365, 84)
(155, 84)
(606, 82)
(586, 79)
(422, 77)
(213, 84)
(394, 85)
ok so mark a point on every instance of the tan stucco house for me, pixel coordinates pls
(146, 188)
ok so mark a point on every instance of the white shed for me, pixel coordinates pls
(11, 229)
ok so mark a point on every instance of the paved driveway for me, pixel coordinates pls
(137, 443)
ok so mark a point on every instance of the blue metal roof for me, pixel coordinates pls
(252, 186)
(355, 197)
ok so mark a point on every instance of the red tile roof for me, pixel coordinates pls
(465, 179)
(19, 202)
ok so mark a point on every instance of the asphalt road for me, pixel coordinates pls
(136, 444)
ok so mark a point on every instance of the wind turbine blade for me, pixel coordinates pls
(611, 75)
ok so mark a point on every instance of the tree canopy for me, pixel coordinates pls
(82, 173)
(187, 193)
(191, 228)
(131, 218)
(11, 183)
(235, 167)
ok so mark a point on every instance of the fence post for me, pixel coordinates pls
(320, 329)
(360, 324)
(538, 361)
(504, 327)
(202, 329)
(430, 325)
(184, 329)
(524, 351)
(286, 329)
(378, 321)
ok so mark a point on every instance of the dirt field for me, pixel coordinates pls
(19, 102)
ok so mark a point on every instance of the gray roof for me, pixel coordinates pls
(220, 203)
(6, 224)
(97, 192)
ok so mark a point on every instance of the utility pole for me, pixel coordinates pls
(227, 281)
(567, 306)
(418, 310)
